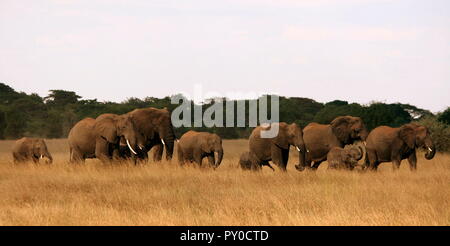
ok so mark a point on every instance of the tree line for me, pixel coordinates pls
(53, 116)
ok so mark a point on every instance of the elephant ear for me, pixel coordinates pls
(281, 140)
(207, 143)
(34, 147)
(107, 130)
(341, 128)
(408, 135)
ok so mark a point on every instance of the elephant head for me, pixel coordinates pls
(354, 154)
(127, 131)
(40, 151)
(417, 136)
(213, 143)
(155, 125)
(113, 128)
(355, 151)
(291, 134)
(166, 132)
(349, 129)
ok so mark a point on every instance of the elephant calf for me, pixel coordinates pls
(34, 149)
(194, 146)
(247, 162)
(344, 158)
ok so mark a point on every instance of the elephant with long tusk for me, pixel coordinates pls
(102, 137)
(155, 127)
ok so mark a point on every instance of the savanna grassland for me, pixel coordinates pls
(166, 194)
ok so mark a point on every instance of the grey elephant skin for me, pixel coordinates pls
(276, 149)
(387, 144)
(155, 127)
(344, 158)
(30, 149)
(320, 138)
(194, 146)
(100, 137)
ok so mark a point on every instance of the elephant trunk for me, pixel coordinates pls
(168, 140)
(47, 155)
(430, 151)
(302, 152)
(301, 157)
(219, 157)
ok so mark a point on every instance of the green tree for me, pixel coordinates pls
(2, 122)
(61, 98)
(440, 132)
(15, 123)
(392, 115)
(444, 117)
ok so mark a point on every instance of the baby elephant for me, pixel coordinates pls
(247, 162)
(194, 146)
(344, 158)
(26, 149)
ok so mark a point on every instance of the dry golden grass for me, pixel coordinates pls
(166, 194)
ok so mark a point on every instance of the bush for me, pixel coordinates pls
(440, 132)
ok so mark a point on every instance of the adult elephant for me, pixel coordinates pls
(276, 149)
(31, 149)
(100, 137)
(385, 144)
(194, 146)
(155, 127)
(320, 138)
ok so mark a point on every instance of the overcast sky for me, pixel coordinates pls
(354, 50)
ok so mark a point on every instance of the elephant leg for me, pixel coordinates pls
(396, 164)
(412, 160)
(316, 165)
(285, 156)
(101, 151)
(198, 157)
(158, 152)
(180, 157)
(266, 163)
(279, 157)
(372, 160)
(76, 156)
(211, 159)
(145, 157)
(116, 155)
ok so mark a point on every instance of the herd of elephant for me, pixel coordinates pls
(343, 142)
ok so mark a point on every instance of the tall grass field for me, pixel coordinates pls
(167, 194)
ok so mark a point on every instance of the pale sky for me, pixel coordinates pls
(355, 50)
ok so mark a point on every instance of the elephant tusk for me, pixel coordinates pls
(162, 140)
(307, 151)
(129, 146)
(140, 147)
(430, 149)
(298, 149)
(42, 156)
